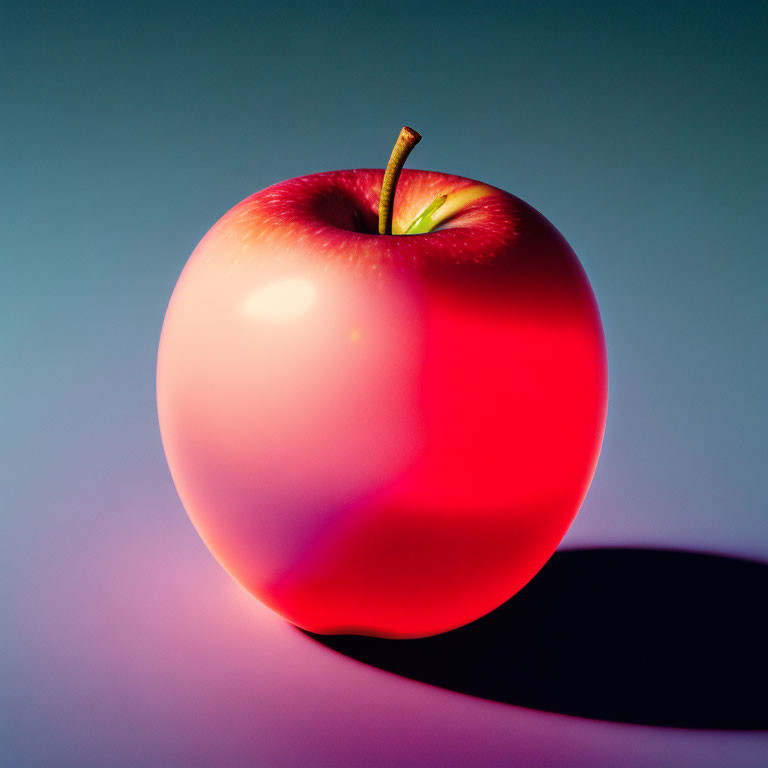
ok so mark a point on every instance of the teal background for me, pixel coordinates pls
(126, 130)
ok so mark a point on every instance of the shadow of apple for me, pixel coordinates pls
(644, 636)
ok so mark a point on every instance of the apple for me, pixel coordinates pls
(382, 434)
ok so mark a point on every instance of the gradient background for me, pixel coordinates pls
(639, 129)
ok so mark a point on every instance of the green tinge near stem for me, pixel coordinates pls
(424, 222)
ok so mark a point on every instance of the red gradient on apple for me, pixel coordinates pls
(382, 434)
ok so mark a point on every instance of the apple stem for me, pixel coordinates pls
(406, 141)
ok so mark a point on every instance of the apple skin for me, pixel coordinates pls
(381, 435)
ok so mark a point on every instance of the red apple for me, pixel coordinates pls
(382, 434)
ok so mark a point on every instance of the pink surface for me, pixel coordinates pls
(171, 662)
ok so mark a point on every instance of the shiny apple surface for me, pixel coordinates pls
(383, 435)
